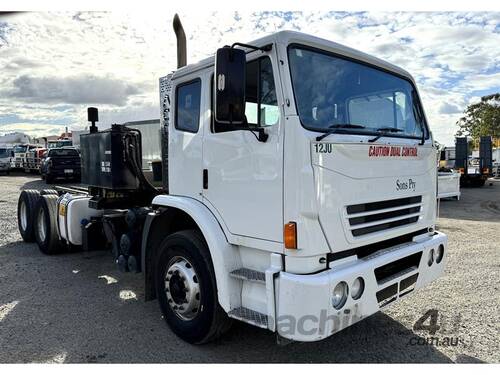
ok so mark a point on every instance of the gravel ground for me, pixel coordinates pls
(80, 308)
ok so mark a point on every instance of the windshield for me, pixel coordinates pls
(4, 152)
(63, 152)
(330, 91)
(20, 149)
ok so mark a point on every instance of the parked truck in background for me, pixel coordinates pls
(495, 156)
(33, 159)
(27, 157)
(299, 191)
(474, 171)
(6, 154)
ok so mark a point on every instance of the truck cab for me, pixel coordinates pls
(5, 158)
(340, 196)
(19, 157)
(26, 157)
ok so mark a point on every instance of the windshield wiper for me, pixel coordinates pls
(333, 129)
(384, 131)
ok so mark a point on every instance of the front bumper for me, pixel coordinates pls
(304, 310)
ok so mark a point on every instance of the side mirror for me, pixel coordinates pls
(230, 75)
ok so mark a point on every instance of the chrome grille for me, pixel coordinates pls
(372, 217)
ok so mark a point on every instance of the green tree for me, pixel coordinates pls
(481, 119)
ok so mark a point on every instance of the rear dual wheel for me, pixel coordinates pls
(45, 228)
(25, 214)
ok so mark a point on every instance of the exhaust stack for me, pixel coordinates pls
(181, 42)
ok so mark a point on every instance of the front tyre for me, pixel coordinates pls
(186, 288)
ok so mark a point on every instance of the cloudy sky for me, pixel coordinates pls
(54, 65)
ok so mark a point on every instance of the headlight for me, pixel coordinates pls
(439, 254)
(357, 288)
(430, 260)
(339, 295)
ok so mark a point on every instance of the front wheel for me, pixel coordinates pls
(186, 288)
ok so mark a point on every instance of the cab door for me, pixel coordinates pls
(243, 177)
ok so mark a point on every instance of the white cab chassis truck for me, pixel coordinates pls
(299, 192)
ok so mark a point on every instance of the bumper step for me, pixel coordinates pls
(250, 275)
(249, 316)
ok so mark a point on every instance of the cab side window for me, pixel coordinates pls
(187, 102)
(261, 107)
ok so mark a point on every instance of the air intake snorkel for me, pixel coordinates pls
(181, 42)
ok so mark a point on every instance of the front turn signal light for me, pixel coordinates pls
(461, 170)
(290, 235)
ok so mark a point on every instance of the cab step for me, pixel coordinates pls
(249, 316)
(250, 275)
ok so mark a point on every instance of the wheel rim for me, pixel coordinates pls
(24, 215)
(182, 288)
(42, 226)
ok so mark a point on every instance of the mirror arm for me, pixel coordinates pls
(266, 48)
(261, 135)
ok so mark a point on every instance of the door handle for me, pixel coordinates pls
(205, 179)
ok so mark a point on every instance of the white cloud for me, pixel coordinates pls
(448, 108)
(115, 59)
(33, 129)
(71, 90)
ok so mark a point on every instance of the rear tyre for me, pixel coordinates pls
(46, 225)
(26, 212)
(186, 288)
